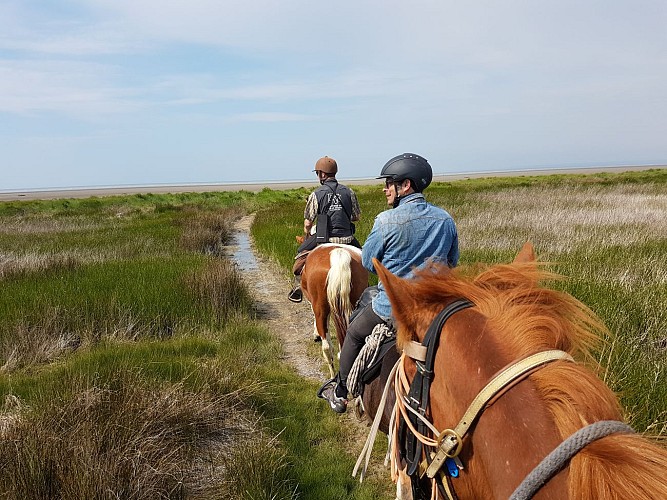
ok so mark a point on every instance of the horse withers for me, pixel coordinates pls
(332, 280)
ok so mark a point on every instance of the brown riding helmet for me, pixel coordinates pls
(326, 165)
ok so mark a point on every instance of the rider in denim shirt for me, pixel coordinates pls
(405, 238)
(411, 235)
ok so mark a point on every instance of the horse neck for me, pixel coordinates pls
(512, 435)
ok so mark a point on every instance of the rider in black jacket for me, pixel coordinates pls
(335, 207)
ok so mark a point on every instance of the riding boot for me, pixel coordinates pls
(296, 295)
(341, 389)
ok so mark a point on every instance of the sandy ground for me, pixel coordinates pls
(85, 192)
(292, 323)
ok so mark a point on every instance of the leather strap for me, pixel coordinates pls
(418, 397)
(415, 351)
(451, 440)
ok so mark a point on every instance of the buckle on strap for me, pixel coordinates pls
(449, 440)
(421, 368)
(450, 444)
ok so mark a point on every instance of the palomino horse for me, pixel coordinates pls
(510, 317)
(332, 281)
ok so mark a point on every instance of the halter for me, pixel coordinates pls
(414, 424)
(419, 396)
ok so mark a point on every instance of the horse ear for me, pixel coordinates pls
(398, 291)
(526, 254)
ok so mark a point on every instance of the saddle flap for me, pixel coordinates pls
(373, 371)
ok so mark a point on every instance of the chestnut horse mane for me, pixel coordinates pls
(528, 318)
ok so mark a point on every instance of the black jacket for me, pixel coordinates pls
(335, 200)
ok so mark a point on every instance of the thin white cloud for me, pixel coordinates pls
(80, 87)
(439, 32)
(76, 41)
(268, 117)
(72, 88)
(344, 85)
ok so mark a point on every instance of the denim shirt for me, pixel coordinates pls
(404, 238)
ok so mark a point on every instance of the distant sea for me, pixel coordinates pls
(88, 191)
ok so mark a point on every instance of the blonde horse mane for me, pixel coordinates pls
(529, 318)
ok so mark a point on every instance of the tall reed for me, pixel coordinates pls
(121, 438)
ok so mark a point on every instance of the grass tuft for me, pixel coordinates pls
(122, 439)
(218, 287)
(208, 232)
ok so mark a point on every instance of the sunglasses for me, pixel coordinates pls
(388, 183)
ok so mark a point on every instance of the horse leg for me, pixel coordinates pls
(328, 357)
(316, 333)
(321, 320)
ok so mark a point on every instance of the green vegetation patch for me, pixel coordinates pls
(132, 364)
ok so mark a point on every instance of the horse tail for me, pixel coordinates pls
(339, 286)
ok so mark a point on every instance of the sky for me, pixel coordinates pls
(146, 92)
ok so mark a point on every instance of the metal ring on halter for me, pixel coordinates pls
(451, 433)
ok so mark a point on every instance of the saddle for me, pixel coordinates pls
(300, 261)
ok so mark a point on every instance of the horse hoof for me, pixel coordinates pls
(317, 339)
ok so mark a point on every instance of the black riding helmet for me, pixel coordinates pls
(408, 166)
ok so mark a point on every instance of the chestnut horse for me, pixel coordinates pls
(332, 280)
(512, 317)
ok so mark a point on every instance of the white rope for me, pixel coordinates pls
(370, 440)
(367, 356)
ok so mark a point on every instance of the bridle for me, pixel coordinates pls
(413, 424)
(426, 456)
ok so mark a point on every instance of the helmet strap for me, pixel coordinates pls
(322, 176)
(397, 200)
(398, 197)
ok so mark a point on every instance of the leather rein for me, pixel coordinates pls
(424, 456)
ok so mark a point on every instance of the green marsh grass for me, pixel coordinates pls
(132, 365)
(132, 311)
(208, 232)
(122, 437)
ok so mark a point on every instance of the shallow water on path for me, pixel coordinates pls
(241, 252)
(269, 285)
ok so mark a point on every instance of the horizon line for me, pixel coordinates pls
(120, 189)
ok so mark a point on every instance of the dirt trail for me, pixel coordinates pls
(292, 323)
